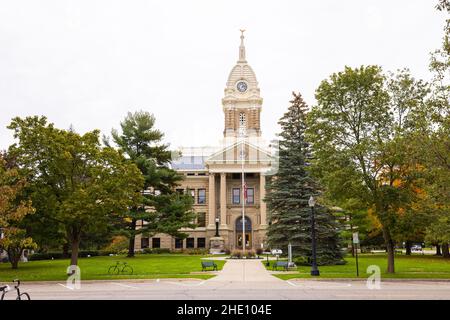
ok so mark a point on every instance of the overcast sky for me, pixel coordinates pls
(87, 63)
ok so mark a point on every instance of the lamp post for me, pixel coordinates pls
(217, 227)
(314, 269)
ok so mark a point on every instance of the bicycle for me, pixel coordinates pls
(20, 295)
(4, 290)
(120, 267)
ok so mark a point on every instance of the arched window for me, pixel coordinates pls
(248, 224)
(242, 120)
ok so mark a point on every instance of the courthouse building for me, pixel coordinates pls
(214, 177)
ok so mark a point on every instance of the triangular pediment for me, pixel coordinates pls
(232, 154)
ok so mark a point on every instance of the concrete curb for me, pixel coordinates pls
(364, 280)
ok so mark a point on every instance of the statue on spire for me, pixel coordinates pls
(242, 47)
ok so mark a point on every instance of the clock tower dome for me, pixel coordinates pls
(242, 102)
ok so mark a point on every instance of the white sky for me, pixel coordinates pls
(87, 63)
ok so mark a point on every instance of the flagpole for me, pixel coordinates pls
(243, 194)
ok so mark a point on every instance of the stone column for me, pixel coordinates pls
(262, 194)
(223, 199)
(211, 202)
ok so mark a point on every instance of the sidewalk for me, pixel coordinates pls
(244, 270)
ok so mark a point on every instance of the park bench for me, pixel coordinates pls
(209, 264)
(280, 264)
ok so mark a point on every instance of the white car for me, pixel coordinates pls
(417, 249)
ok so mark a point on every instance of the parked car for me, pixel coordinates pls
(417, 249)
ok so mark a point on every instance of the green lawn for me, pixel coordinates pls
(407, 267)
(146, 266)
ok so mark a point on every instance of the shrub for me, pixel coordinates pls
(160, 250)
(45, 256)
(200, 251)
(236, 254)
(259, 251)
(147, 251)
(249, 254)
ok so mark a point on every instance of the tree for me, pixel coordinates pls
(161, 208)
(434, 141)
(359, 133)
(13, 209)
(289, 190)
(81, 182)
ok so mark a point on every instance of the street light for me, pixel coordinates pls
(217, 227)
(314, 269)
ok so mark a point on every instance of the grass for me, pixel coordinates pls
(146, 266)
(406, 267)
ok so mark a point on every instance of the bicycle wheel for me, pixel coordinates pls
(113, 270)
(127, 270)
(23, 296)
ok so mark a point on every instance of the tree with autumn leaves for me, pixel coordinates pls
(75, 183)
(13, 209)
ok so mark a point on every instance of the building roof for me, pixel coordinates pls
(189, 163)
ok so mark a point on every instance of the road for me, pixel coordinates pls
(239, 280)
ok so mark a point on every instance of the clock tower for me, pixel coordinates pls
(242, 102)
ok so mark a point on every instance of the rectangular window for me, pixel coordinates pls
(144, 243)
(236, 195)
(156, 243)
(192, 193)
(201, 242)
(180, 191)
(178, 243)
(250, 196)
(190, 243)
(201, 196)
(201, 219)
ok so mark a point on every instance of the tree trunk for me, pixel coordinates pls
(438, 250)
(75, 249)
(390, 250)
(408, 247)
(15, 263)
(353, 249)
(14, 257)
(132, 239)
(445, 251)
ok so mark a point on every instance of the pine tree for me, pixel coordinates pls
(289, 190)
(143, 145)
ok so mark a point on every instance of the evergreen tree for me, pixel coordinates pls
(170, 211)
(289, 191)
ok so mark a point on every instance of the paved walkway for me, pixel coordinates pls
(241, 271)
(239, 280)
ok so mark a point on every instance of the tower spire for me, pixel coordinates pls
(242, 47)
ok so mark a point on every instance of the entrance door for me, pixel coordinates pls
(248, 232)
(248, 240)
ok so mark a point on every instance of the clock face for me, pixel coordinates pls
(241, 86)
